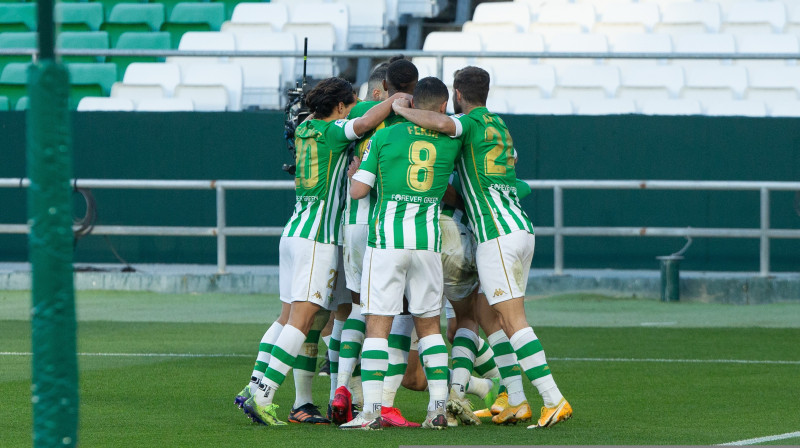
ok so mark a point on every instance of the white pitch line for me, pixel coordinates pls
(788, 435)
(234, 355)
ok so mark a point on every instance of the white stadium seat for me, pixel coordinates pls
(206, 41)
(262, 82)
(518, 86)
(206, 98)
(785, 109)
(163, 74)
(750, 17)
(705, 43)
(105, 104)
(517, 13)
(421, 8)
(627, 18)
(640, 43)
(136, 92)
(335, 14)
(545, 106)
(578, 83)
(228, 76)
(671, 107)
(766, 44)
(272, 41)
(575, 43)
(275, 14)
(775, 86)
(496, 104)
(449, 41)
(743, 108)
(165, 105)
(650, 82)
(239, 27)
(368, 23)
(558, 18)
(514, 42)
(320, 38)
(689, 18)
(715, 84)
(613, 106)
(488, 29)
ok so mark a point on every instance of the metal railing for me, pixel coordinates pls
(221, 231)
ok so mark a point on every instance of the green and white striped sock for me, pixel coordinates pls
(399, 344)
(484, 362)
(465, 347)
(333, 354)
(281, 360)
(374, 361)
(264, 349)
(305, 365)
(433, 356)
(531, 358)
(510, 371)
(350, 348)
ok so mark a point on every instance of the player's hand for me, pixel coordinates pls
(401, 103)
(354, 164)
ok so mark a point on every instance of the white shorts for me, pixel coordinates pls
(458, 259)
(504, 264)
(307, 271)
(341, 294)
(449, 312)
(390, 273)
(355, 243)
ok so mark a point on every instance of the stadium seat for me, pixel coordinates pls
(262, 82)
(751, 17)
(640, 43)
(671, 107)
(773, 85)
(689, 18)
(78, 16)
(785, 109)
(515, 12)
(3, 103)
(125, 17)
(643, 83)
(575, 43)
(21, 40)
(613, 106)
(188, 16)
(82, 40)
(767, 44)
(703, 44)
(589, 82)
(333, 13)
(228, 76)
(206, 98)
(136, 92)
(165, 105)
(267, 40)
(520, 86)
(368, 27)
(450, 41)
(104, 104)
(240, 28)
(487, 29)
(743, 108)
(561, 18)
(17, 17)
(421, 8)
(204, 41)
(496, 104)
(162, 74)
(544, 106)
(14, 81)
(90, 79)
(535, 6)
(275, 14)
(131, 40)
(23, 103)
(627, 18)
(320, 38)
(714, 84)
(793, 19)
(513, 42)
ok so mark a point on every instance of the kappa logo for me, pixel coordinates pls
(499, 292)
(316, 295)
(346, 347)
(439, 372)
(376, 407)
(515, 368)
(378, 374)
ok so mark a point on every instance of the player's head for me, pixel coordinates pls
(430, 94)
(376, 92)
(470, 88)
(331, 96)
(401, 76)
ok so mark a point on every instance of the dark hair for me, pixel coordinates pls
(377, 76)
(401, 75)
(473, 83)
(327, 94)
(430, 93)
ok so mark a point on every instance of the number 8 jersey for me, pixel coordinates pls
(319, 180)
(488, 177)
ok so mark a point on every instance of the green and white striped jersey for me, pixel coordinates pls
(488, 178)
(319, 180)
(410, 167)
(358, 211)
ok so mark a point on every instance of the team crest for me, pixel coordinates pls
(340, 123)
(366, 151)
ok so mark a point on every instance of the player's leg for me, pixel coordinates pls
(325, 335)
(303, 370)
(399, 346)
(424, 292)
(311, 265)
(382, 292)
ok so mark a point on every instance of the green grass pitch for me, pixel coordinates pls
(636, 372)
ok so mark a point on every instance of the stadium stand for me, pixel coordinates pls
(197, 77)
(126, 17)
(106, 104)
(17, 17)
(19, 40)
(262, 84)
(90, 79)
(689, 18)
(78, 16)
(209, 41)
(206, 98)
(503, 12)
(151, 40)
(274, 14)
(750, 17)
(165, 75)
(13, 81)
(188, 17)
(335, 14)
(321, 37)
(368, 24)
(137, 92)
(3, 103)
(94, 40)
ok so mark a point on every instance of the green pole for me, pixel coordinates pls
(53, 326)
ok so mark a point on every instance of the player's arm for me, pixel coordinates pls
(375, 116)
(429, 119)
(362, 172)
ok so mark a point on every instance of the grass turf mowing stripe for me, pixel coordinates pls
(788, 435)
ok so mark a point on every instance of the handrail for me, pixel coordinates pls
(221, 231)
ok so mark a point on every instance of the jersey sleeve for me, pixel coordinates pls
(341, 131)
(368, 169)
(523, 189)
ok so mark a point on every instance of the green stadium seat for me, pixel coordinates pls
(156, 40)
(22, 40)
(230, 4)
(188, 17)
(23, 103)
(18, 17)
(93, 40)
(78, 16)
(3, 103)
(169, 5)
(14, 81)
(90, 79)
(126, 17)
